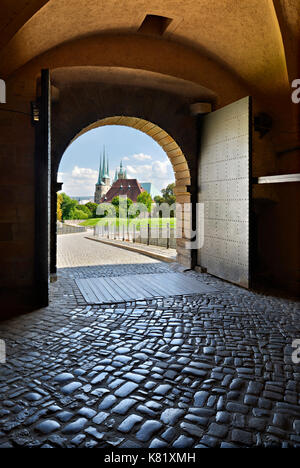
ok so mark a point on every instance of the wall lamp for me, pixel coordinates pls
(263, 123)
(35, 113)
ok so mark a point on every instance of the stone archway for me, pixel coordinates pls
(168, 144)
(180, 167)
(86, 98)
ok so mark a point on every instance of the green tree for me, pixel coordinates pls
(59, 210)
(168, 194)
(76, 213)
(93, 208)
(145, 199)
(85, 210)
(159, 200)
(67, 206)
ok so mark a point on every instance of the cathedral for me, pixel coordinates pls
(121, 186)
(103, 185)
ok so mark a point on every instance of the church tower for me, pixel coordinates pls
(103, 184)
(122, 173)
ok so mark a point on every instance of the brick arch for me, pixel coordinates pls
(168, 144)
(179, 164)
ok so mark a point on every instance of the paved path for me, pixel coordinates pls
(213, 370)
(159, 253)
(75, 250)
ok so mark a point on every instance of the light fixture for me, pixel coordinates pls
(263, 124)
(35, 113)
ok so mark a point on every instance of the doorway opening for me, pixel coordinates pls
(102, 167)
(203, 169)
(162, 176)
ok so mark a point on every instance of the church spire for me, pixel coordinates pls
(100, 173)
(105, 165)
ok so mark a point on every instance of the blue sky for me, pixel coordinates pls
(144, 159)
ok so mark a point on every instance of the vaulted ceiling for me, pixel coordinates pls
(14, 14)
(258, 40)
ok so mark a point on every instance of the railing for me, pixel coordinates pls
(69, 229)
(159, 236)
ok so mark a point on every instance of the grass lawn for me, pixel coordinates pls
(154, 222)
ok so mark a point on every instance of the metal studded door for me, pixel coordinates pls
(224, 189)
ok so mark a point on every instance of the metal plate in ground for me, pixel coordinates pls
(115, 289)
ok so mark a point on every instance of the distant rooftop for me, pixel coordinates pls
(151, 189)
(124, 187)
(86, 197)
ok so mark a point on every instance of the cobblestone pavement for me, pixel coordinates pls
(202, 371)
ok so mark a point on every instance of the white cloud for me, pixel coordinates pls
(159, 173)
(84, 173)
(79, 182)
(161, 169)
(126, 158)
(131, 170)
(142, 157)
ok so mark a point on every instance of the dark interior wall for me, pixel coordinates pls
(277, 220)
(16, 200)
(276, 255)
(271, 153)
(82, 104)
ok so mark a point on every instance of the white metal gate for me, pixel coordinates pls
(224, 188)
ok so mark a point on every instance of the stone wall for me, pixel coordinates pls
(63, 228)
